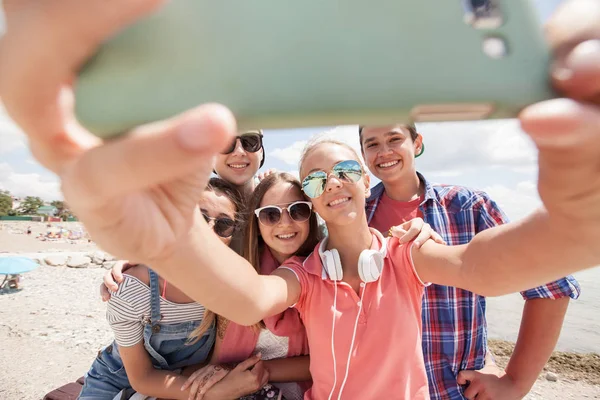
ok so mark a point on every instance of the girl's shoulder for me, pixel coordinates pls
(140, 272)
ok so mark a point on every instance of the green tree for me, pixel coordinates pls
(30, 205)
(6, 203)
(62, 209)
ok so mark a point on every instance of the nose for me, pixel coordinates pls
(385, 149)
(285, 218)
(239, 149)
(211, 224)
(333, 183)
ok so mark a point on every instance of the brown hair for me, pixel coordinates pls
(218, 185)
(253, 242)
(410, 127)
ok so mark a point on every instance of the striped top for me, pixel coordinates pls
(129, 309)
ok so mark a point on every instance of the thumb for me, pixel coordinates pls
(152, 154)
(465, 377)
(562, 124)
(248, 363)
(568, 136)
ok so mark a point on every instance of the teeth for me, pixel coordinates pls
(339, 201)
(238, 166)
(388, 164)
(288, 236)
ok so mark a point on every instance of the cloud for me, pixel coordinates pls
(516, 202)
(30, 184)
(458, 147)
(11, 137)
(451, 148)
(292, 153)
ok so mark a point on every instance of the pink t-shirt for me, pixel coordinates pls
(386, 359)
(392, 212)
(237, 342)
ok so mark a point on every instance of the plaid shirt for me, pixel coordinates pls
(454, 325)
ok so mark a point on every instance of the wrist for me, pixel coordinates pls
(521, 385)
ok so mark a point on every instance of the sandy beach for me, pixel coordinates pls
(52, 328)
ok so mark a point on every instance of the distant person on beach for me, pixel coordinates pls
(158, 329)
(29, 230)
(454, 324)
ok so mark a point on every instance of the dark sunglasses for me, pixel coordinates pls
(346, 171)
(251, 142)
(299, 211)
(223, 226)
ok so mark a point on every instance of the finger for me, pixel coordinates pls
(218, 375)
(465, 376)
(117, 270)
(152, 154)
(194, 389)
(248, 363)
(577, 74)
(567, 134)
(424, 235)
(563, 124)
(437, 237)
(193, 377)
(412, 233)
(260, 375)
(200, 381)
(418, 222)
(109, 281)
(104, 294)
(472, 391)
(72, 30)
(397, 231)
(264, 376)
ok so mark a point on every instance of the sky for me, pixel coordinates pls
(494, 156)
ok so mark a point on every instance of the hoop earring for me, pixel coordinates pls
(422, 150)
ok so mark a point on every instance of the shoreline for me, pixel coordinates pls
(584, 367)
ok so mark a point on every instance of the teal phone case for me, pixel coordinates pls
(278, 64)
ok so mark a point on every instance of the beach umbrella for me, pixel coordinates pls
(16, 265)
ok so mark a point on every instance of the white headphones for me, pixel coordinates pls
(370, 262)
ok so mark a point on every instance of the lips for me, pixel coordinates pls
(338, 201)
(238, 165)
(287, 236)
(388, 164)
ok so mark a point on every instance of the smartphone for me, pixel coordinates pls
(278, 64)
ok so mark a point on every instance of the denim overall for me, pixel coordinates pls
(165, 344)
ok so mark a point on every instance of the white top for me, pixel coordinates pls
(270, 347)
(129, 310)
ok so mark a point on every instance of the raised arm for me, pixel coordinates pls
(215, 276)
(507, 258)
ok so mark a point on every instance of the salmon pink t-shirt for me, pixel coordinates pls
(392, 212)
(386, 360)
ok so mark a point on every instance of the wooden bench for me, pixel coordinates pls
(70, 391)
